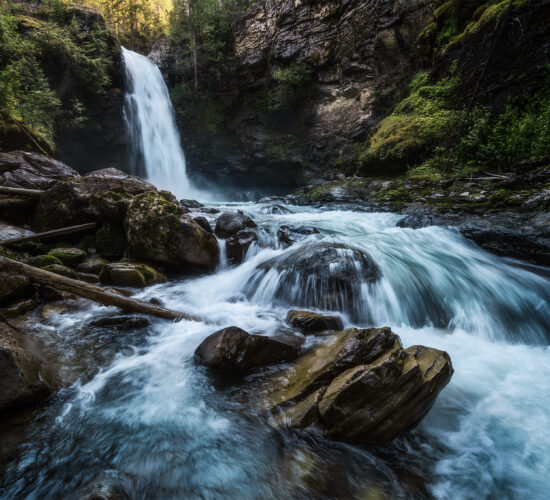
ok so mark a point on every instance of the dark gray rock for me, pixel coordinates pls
(230, 223)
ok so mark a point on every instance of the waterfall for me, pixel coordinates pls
(157, 154)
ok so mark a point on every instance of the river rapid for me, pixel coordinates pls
(142, 416)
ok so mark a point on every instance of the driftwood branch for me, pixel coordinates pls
(91, 292)
(33, 193)
(49, 234)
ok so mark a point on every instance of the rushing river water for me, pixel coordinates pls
(143, 417)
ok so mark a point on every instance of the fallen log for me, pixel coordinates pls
(33, 193)
(49, 234)
(91, 292)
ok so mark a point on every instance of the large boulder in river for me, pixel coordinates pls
(103, 195)
(235, 351)
(33, 170)
(360, 386)
(158, 231)
(128, 273)
(230, 223)
(26, 377)
(326, 276)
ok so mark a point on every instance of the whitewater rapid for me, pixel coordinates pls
(160, 427)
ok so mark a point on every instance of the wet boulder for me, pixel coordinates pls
(92, 265)
(360, 386)
(233, 350)
(26, 376)
(13, 287)
(101, 195)
(289, 235)
(237, 245)
(128, 273)
(326, 276)
(230, 223)
(309, 322)
(32, 170)
(158, 231)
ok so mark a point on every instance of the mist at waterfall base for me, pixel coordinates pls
(142, 416)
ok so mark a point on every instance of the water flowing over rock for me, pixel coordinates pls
(237, 245)
(158, 231)
(156, 150)
(289, 235)
(361, 386)
(235, 351)
(321, 276)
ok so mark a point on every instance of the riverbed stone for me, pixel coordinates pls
(360, 386)
(44, 260)
(128, 273)
(92, 265)
(68, 256)
(126, 322)
(288, 235)
(237, 245)
(235, 351)
(13, 287)
(158, 231)
(309, 322)
(26, 376)
(62, 270)
(17, 308)
(230, 223)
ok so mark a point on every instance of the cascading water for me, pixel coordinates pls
(155, 425)
(157, 154)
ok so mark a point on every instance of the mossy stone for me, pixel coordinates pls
(44, 260)
(128, 273)
(68, 256)
(62, 270)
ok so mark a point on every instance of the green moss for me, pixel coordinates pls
(44, 260)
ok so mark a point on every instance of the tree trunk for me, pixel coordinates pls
(49, 234)
(88, 291)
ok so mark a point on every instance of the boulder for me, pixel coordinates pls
(230, 223)
(110, 241)
(360, 386)
(26, 376)
(20, 307)
(237, 245)
(43, 260)
(127, 273)
(235, 351)
(289, 235)
(102, 195)
(158, 231)
(203, 222)
(33, 170)
(309, 322)
(62, 270)
(13, 287)
(68, 256)
(92, 265)
(326, 276)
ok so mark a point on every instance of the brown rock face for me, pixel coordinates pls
(235, 351)
(361, 386)
(158, 231)
(309, 322)
(33, 170)
(26, 377)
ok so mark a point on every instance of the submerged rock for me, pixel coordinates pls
(361, 386)
(26, 376)
(310, 322)
(322, 276)
(230, 223)
(235, 351)
(127, 273)
(158, 231)
(289, 235)
(237, 245)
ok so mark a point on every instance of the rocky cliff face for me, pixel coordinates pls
(315, 78)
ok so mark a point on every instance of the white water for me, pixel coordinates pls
(166, 429)
(157, 154)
